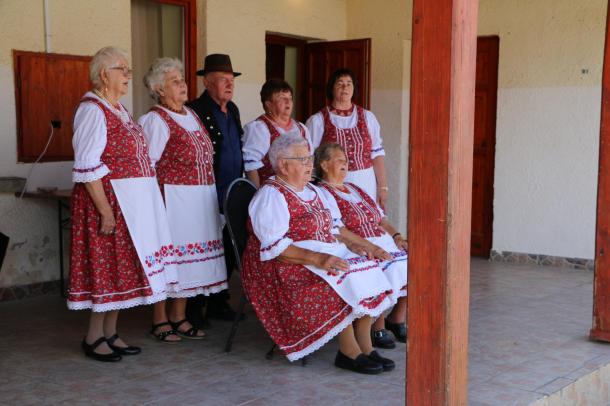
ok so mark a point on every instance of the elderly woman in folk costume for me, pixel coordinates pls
(364, 217)
(277, 100)
(182, 152)
(303, 281)
(356, 130)
(120, 235)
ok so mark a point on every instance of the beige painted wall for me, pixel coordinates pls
(238, 28)
(389, 28)
(77, 27)
(546, 42)
(547, 137)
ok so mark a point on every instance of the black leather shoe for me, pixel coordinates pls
(398, 329)
(382, 339)
(129, 350)
(386, 363)
(362, 364)
(89, 350)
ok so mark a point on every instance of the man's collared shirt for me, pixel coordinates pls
(230, 152)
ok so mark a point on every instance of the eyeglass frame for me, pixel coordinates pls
(304, 160)
(124, 69)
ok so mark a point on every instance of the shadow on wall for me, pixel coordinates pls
(3, 247)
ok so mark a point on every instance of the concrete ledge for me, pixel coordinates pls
(11, 184)
(591, 389)
(543, 260)
(27, 291)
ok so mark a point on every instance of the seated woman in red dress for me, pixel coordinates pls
(364, 217)
(304, 283)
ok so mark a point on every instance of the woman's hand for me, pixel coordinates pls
(379, 253)
(401, 242)
(358, 248)
(330, 263)
(107, 223)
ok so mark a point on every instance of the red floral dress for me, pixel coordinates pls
(186, 176)
(106, 272)
(267, 170)
(362, 216)
(356, 140)
(300, 310)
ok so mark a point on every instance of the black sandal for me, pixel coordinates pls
(162, 335)
(190, 334)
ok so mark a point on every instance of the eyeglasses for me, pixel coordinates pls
(126, 71)
(304, 160)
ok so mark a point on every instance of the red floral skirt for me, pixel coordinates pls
(299, 310)
(105, 271)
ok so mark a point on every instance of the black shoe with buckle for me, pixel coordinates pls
(362, 364)
(89, 350)
(386, 363)
(398, 329)
(129, 350)
(382, 339)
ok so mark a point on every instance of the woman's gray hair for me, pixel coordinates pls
(280, 148)
(155, 77)
(103, 59)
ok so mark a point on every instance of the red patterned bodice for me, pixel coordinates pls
(309, 220)
(362, 218)
(356, 140)
(266, 171)
(188, 156)
(126, 152)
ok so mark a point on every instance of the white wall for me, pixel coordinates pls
(389, 28)
(547, 138)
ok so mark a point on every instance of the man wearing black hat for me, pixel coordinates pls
(220, 116)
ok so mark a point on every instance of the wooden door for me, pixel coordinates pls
(484, 145)
(48, 88)
(322, 58)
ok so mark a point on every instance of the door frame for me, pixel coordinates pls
(486, 250)
(300, 45)
(190, 42)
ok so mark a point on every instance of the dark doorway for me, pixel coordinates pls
(308, 65)
(484, 145)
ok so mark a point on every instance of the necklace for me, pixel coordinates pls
(288, 185)
(339, 186)
(101, 95)
(181, 111)
(283, 126)
(340, 112)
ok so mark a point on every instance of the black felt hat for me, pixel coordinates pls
(217, 63)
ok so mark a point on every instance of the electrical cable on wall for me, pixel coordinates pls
(44, 151)
(3, 237)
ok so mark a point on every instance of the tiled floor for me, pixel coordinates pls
(528, 337)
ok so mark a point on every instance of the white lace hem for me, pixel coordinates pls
(275, 249)
(90, 175)
(387, 303)
(119, 305)
(190, 292)
(322, 341)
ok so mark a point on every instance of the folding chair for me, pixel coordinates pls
(235, 208)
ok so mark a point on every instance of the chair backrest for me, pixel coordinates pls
(235, 207)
